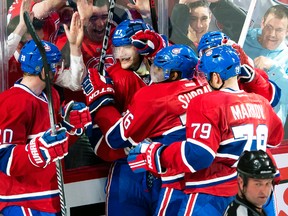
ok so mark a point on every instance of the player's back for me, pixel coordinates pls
(226, 123)
(159, 109)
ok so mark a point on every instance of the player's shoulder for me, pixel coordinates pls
(166, 88)
(209, 96)
(113, 69)
(15, 97)
(212, 100)
(151, 90)
(258, 97)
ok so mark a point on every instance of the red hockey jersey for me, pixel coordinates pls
(220, 126)
(126, 83)
(24, 116)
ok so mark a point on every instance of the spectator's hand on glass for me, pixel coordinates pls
(76, 33)
(25, 6)
(190, 1)
(85, 9)
(142, 6)
(263, 63)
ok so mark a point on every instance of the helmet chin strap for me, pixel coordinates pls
(217, 89)
(43, 79)
(135, 68)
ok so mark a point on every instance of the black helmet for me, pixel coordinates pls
(256, 164)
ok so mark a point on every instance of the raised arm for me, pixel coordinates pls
(230, 16)
(43, 8)
(15, 37)
(73, 76)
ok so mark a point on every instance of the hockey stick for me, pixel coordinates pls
(106, 37)
(153, 15)
(247, 22)
(42, 51)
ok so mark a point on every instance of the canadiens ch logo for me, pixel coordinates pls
(283, 2)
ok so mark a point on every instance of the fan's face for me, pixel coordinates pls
(274, 32)
(95, 29)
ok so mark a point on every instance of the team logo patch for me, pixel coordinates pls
(237, 70)
(38, 68)
(46, 47)
(283, 2)
(176, 51)
(209, 52)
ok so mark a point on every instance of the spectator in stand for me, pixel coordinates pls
(229, 18)
(256, 173)
(94, 15)
(259, 10)
(267, 48)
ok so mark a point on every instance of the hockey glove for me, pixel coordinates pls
(148, 42)
(76, 118)
(98, 90)
(247, 66)
(247, 72)
(48, 148)
(146, 157)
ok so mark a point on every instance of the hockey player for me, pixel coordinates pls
(256, 173)
(114, 131)
(28, 172)
(220, 126)
(126, 83)
(135, 43)
(253, 76)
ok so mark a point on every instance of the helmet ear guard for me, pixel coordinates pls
(256, 164)
(31, 59)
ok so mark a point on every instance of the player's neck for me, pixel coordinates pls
(231, 83)
(34, 84)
